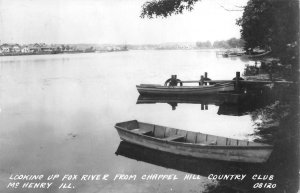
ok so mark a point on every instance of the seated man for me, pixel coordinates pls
(173, 81)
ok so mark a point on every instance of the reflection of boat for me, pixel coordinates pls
(154, 89)
(229, 103)
(192, 144)
(203, 99)
(215, 99)
(202, 167)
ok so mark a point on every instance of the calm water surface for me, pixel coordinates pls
(57, 114)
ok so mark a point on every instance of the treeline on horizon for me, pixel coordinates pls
(231, 43)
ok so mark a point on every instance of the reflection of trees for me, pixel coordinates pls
(267, 120)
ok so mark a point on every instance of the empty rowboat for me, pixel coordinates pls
(155, 89)
(194, 144)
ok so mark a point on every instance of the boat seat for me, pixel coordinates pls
(141, 131)
(174, 137)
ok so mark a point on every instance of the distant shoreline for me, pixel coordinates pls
(106, 51)
(30, 54)
(79, 52)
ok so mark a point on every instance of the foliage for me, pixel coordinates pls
(273, 25)
(231, 43)
(206, 44)
(234, 42)
(269, 23)
(165, 8)
(250, 70)
(221, 44)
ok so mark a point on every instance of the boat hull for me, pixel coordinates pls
(248, 154)
(183, 90)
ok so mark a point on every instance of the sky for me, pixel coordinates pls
(113, 21)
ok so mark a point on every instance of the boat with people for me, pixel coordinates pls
(192, 144)
(155, 89)
(175, 87)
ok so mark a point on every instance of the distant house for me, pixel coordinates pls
(16, 48)
(35, 48)
(42, 44)
(6, 48)
(47, 49)
(65, 48)
(69, 49)
(25, 49)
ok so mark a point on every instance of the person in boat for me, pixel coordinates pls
(203, 79)
(173, 81)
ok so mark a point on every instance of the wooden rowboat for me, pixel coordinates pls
(155, 89)
(194, 144)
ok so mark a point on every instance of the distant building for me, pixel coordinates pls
(25, 49)
(40, 45)
(67, 48)
(47, 49)
(6, 48)
(70, 49)
(39, 48)
(35, 48)
(16, 48)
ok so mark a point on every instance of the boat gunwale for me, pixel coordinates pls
(148, 86)
(194, 145)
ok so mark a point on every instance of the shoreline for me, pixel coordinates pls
(31, 54)
(104, 51)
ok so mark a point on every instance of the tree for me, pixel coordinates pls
(221, 44)
(231, 43)
(234, 42)
(206, 44)
(270, 24)
(165, 8)
(273, 25)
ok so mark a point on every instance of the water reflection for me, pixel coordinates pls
(229, 103)
(173, 101)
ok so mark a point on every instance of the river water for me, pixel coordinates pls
(57, 116)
